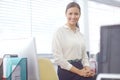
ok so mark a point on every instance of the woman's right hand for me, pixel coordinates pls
(90, 72)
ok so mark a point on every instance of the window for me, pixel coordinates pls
(100, 14)
(47, 16)
(15, 18)
(37, 18)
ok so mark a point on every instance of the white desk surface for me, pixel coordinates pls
(108, 76)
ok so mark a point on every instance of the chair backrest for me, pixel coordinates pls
(46, 69)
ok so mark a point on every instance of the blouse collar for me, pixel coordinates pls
(67, 27)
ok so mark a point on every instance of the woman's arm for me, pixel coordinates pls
(58, 51)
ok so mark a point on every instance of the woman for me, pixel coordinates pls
(69, 48)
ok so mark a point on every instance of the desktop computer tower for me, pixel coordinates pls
(109, 55)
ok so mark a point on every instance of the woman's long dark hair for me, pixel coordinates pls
(73, 4)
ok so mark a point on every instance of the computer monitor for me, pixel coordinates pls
(23, 47)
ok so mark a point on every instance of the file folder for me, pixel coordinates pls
(15, 68)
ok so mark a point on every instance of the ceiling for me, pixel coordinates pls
(109, 2)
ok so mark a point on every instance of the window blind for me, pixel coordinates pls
(37, 18)
(15, 18)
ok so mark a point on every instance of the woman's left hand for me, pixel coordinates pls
(90, 73)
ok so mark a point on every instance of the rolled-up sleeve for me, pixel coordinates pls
(58, 53)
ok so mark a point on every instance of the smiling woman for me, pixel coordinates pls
(69, 48)
(72, 17)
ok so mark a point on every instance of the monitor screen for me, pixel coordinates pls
(23, 47)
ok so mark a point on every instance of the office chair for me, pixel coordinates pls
(46, 69)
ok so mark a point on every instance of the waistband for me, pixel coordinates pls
(75, 60)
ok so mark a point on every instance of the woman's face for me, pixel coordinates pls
(73, 15)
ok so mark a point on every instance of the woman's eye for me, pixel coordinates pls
(70, 13)
(76, 13)
(73, 14)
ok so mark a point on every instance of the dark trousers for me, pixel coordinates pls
(67, 75)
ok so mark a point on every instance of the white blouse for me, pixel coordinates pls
(68, 45)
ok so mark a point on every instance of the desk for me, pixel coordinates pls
(108, 76)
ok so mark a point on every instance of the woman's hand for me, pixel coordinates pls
(80, 72)
(83, 72)
(90, 72)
